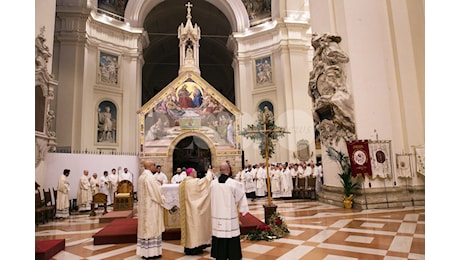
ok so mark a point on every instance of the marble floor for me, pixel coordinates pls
(317, 231)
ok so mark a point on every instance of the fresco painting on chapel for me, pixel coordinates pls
(187, 105)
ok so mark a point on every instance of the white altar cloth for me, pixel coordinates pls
(171, 194)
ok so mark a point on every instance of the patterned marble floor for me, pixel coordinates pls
(317, 231)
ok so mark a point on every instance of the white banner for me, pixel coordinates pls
(380, 152)
(420, 159)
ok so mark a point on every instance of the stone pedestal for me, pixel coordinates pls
(269, 209)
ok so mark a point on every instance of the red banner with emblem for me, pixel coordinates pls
(358, 151)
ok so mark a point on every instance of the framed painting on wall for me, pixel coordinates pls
(263, 68)
(108, 69)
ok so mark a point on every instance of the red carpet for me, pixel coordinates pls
(45, 249)
(124, 230)
(119, 231)
(109, 217)
(249, 223)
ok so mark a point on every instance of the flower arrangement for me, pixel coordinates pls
(275, 229)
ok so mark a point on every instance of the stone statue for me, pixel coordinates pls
(327, 88)
(42, 52)
(49, 121)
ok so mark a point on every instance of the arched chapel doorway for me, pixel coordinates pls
(192, 151)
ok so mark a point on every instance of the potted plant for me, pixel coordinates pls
(346, 177)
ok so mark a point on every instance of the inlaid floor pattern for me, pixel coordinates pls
(317, 231)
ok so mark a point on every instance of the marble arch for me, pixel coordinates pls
(234, 10)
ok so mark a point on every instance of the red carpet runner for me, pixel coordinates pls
(124, 230)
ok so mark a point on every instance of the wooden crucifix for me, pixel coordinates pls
(266, 131)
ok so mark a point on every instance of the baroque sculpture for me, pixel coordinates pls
(332, 102)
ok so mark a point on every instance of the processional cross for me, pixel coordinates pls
(266, 131)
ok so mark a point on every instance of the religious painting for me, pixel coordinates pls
(263, 67)
(107, 123)
(187, 106)
(420, 159)
(108, 69)
(116, 7)
(380, 152)
(403, 165)
(259, 11)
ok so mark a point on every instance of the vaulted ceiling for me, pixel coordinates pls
(162, 55)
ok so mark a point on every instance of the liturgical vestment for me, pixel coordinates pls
(195, 211)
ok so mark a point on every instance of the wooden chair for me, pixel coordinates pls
(98, 198)
(311, 188)
(299, 191)
(55, 196)
(40, 209)
(124, 196)
(295, 193)
(48, 203)
(301, 188)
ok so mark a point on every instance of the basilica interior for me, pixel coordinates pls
(180, 82)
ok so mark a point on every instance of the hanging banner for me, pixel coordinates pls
(380, 152)
(420, 159)
(359, 157)
(404, 165)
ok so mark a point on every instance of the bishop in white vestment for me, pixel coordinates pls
(195, 212)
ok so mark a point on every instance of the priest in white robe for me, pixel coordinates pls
(94, 184)
(150, 223)
(249, 184)
(261, 181)
(62, 200)
(113, 185)
(104, 186)
(195, 212)
(227, 201)
(286, 182)
(275, 181)
(84, 194)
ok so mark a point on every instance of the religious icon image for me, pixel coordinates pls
(359, 157)
(108, 69)
(263, 70)
(188, 106)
